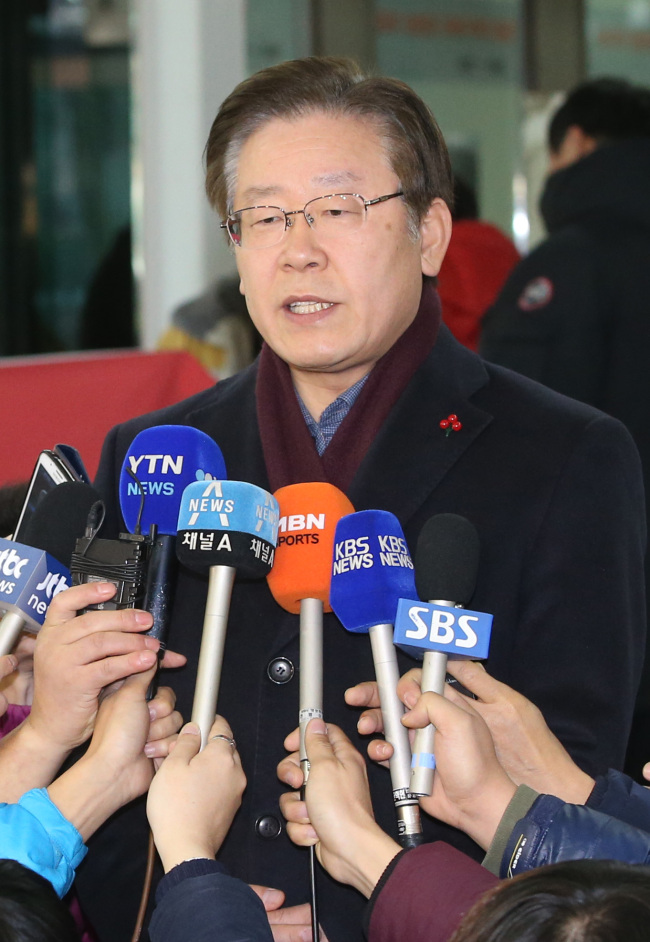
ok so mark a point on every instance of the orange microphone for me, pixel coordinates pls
(300, 580)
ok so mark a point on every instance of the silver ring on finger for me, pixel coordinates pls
(228, 739)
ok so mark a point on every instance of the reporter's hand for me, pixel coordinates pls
(164, 726)
(288, 923)
(337, 813)
(525, 746)
(8, 664)
(114, 769)
(77, 656)
(470, 789)
(194, 795)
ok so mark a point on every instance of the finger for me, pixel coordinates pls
(173, 659)
(291, 915)
(292, 742)
(409, 686)
(187, 745)
(370, 722)
(272, 899)
(95, 622)
(302, 834)
(365, 694)
(289, 771)
(380, 751)
(107, 671)
(106, 644)
(473, 676)
(162, 704)
(293, 808)
(66, 604)
(434, 708)
(161, 734)
(328, 742)
(8, 664)
(159, 749)
(646, 771)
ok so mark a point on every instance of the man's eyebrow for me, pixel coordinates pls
(255, 194)
(336, 178)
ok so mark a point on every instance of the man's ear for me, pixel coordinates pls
(435, 233)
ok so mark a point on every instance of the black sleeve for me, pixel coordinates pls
(551, 321)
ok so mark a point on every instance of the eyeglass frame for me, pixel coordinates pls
(288, 223)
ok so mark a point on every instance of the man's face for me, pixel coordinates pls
(329, 305)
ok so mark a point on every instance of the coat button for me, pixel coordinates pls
(268, 826)
(280, 670)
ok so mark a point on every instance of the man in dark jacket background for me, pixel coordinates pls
(575, 314)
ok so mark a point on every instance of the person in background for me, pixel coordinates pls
(478, 261)
(574, 313)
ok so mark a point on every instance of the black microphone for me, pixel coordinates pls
(39, 567)
(446, 564)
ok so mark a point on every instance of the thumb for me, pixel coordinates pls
(187, 745)
(272, 899)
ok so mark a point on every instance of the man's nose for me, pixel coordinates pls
(301, 246)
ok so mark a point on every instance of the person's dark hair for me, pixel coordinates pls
(12, 498)
(30, 910)
(465, 202)
(333, 86)
(607, 109)
(577, 901)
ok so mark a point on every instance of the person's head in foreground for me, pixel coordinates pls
(30, 910)
(577, 901)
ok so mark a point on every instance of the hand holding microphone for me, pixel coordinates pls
(224, 528)
(372, 570)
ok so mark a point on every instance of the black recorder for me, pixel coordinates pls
(123, 562)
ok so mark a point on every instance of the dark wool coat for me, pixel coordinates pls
(554, 490)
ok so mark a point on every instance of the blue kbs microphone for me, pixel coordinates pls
(224, 528)
(32, 574)
(446, 564)
(372, 569)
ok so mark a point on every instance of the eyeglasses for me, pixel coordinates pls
(335, 216)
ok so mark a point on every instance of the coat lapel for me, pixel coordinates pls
(412, 454)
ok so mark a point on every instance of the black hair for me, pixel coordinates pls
(607, 109)
(30, 910)
(576, 901)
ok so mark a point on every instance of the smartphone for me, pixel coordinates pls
(50, 470)
(72, 459)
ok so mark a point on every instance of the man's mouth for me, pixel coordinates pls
(309, 307)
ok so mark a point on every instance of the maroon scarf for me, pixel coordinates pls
(289, 450)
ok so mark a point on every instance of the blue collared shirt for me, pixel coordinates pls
(323, 431)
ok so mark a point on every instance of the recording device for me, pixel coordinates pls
(372, 569)
(300, 581)
(32, 574)
(446, 564)
(224, 528)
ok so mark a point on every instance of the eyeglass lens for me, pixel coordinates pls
(263, 226)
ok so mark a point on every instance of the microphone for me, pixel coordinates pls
(31, 573)
(372, 570)
(446, 563)
(224, 528)
(300, 581)
(160, 463)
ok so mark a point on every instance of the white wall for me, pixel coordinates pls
(188, 56)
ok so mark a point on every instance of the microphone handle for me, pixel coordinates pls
(434, 671)
(159, 593)
(409, 825)
(311, 671)
(213, 639)
(10, 627)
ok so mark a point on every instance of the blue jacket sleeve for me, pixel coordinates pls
(198, 900)
(553, 831)
(35, 833)
(621, 797)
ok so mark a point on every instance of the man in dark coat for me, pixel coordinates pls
(575, 314)
(354, 379)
